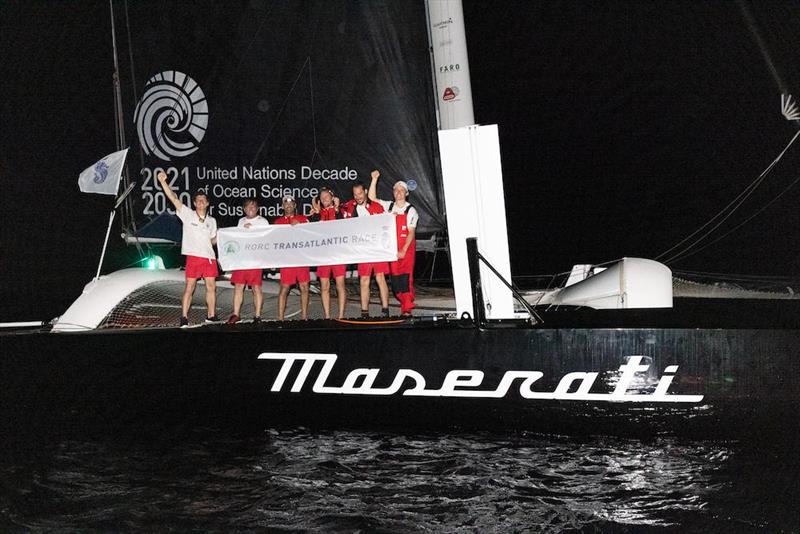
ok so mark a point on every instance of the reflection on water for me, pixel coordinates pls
(346, 481)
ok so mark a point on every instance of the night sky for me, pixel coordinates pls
(624, 127)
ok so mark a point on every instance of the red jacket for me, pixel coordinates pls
(326, 214)
(348, 209)
(288, 220)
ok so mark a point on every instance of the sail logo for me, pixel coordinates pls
(443, 23)
(466, 383)
(450, 93)
(172, 116)
(100, 172)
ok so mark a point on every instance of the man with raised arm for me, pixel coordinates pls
(197, 244)
(327, 209)
(293, 275)
(402, 270)
(248, 277)
(360, 206)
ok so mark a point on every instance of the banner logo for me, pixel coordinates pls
(172, 116)
(100, 172)
(231, 247)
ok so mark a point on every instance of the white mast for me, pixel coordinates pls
(451, 67)
(472, 175)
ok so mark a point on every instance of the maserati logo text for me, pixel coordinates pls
(467, 382)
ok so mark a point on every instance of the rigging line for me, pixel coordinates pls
(129, 202)
(213, 112)
(313, 118)
(697, 241)
(733, 276)
(314, 28)
(740, 198)
(726, 234)
(133, 72)
(253, 38)
(283, 107)
(731, 212)
(743, 195)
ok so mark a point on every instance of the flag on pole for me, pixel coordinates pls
(103, 176)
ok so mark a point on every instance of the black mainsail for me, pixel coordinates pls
(263, 99)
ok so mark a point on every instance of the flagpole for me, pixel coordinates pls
(105, 242)
(97, 179)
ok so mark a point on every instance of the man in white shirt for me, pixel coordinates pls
(197, 244)
(406, 218)
(250, 277)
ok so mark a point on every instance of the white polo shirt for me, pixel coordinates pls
(256, 221)
(197, 235)
(411, 217)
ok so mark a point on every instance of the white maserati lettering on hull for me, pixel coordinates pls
(464, 382)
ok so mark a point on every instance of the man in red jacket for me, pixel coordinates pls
(293, 275)
(361, 206)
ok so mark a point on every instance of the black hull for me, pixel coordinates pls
(107, 380)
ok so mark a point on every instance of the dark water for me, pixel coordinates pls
(212, 480)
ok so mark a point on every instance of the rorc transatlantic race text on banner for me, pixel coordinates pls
(224, 106)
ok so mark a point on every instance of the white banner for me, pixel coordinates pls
(103, 176)
(345, 241)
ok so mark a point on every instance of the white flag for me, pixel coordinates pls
(103, 176)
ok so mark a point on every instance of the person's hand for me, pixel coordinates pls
(162, 176)
(247, 225)
(336, 203)
(315, 205)
(401, 254)
(375, 174)
(293, 222)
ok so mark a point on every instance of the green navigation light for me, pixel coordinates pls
(153, 262)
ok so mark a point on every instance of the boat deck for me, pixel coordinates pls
(161, 307)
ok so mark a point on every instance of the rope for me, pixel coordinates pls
(730, 209)
(726, 234)
(353, 321)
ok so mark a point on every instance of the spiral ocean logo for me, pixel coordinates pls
(172, 116)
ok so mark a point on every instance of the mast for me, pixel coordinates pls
(119, 120)
(448, 43)
(472, 175)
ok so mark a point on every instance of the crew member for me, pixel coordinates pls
(293, 275)
(249, 277)
(197, 244)
(327, 209)
(402, 270)
(360, 206)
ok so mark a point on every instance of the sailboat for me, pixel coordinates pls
(611, 352)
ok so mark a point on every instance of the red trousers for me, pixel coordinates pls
(402, 272)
